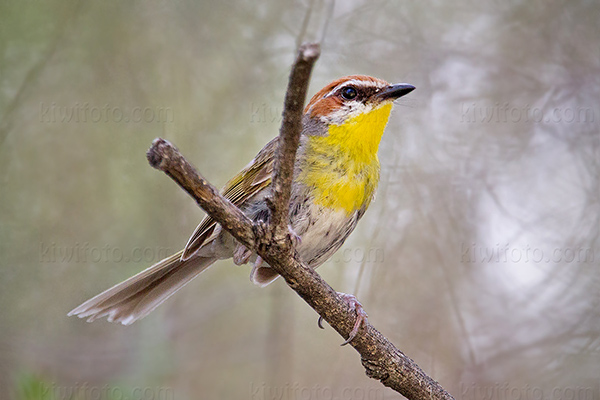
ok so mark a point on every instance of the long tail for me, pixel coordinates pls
(136, 297)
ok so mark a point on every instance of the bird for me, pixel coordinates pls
(336, 174)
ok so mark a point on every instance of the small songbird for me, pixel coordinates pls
(335, 177)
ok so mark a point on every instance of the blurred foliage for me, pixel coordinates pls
(479, 258)
(30, 387)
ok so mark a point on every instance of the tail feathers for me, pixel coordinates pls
(136, 297)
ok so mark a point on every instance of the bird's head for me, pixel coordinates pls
(352, 96)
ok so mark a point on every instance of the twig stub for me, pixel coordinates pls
(156, 153)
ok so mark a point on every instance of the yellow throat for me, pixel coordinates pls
(342, 167)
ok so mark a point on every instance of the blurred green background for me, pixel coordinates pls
(479, 258)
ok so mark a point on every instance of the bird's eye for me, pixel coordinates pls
(349, 93)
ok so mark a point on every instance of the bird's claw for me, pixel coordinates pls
(293, 236)
(361, 315)
(241, 255)
(320, 322)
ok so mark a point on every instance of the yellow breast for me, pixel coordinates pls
(342, 167)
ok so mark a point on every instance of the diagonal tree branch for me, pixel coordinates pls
(381, 359)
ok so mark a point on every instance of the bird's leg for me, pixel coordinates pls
(241, 255)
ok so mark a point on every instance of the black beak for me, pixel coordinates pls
(394, 92)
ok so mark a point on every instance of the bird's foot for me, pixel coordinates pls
(241, 255)
(361, 316)
(295, 239)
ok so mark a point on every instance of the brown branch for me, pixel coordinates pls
(381, 359)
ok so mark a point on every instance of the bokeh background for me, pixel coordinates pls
(479, 258)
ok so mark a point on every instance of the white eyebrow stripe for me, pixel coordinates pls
(355, 83)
